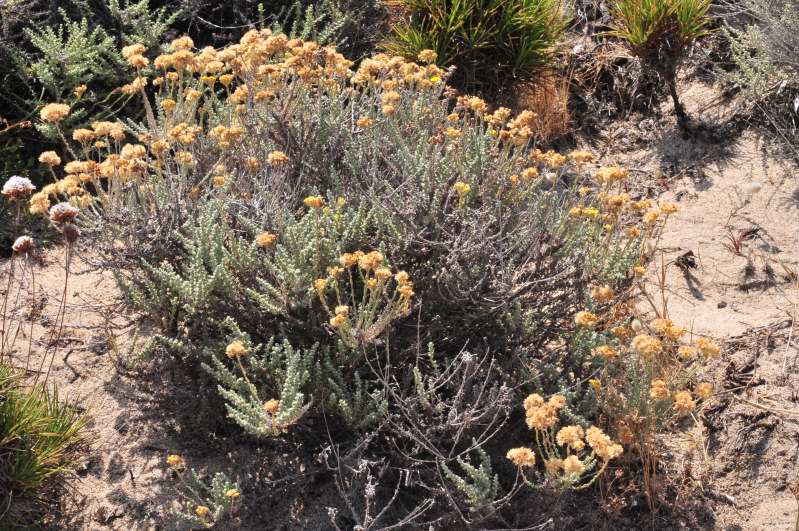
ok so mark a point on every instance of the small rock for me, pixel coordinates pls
(722, 304)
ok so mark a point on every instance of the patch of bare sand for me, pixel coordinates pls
(739, 217)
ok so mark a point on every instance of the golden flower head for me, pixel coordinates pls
(669, 208)
(201, 511)
(586, 319)
(595, 384)
(236, 350)
(462, 188)
(50, 158)
(133, 49)
(232, 494)
(646, 345)
(606, 352)
(266, 239)
(571, 436)
(79, 90)
(54, 112)
(175, 462)
(708, 347)
(602, 445)
(314, 201)
(683, 402)
(582, 157)
(602, 293)
(687, 352)
(521, 457)
(427, 56)
(704, 390)
(320, 284)
(276, 158)
(272, 406)
(338, 320)
(573, 465)
(364, 122)
(533, 401)
(658, 390)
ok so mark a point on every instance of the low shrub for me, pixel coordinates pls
(361, 249)
(762, 36)
(488, 41)
(659, 32)
(39, 436)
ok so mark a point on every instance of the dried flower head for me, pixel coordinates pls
(606, 352)
(521, 457)
(236, 350)
(54, 112)
(266, 239)
(17, 187)
(427, 56)
(602, 293)
(586, 319)
(272, 406)
(571, 436)
(704, 390)
(50, 158)
(62, 213)
(708, 347)
(686, 352)
(683, 402)
(23, 245)
(276, 158)
(314, 201)
(658, 390)
(573, 465)
(646, 345)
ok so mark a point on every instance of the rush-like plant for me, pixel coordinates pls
(488, 41)
(659, 32)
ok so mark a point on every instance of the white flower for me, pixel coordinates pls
(62, 213)
(17, 187)
(23, 244)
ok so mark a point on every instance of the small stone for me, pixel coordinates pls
(722, 304)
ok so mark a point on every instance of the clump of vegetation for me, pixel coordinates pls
(39, 439)
(489, 41)
(659, 32)
(359, 248)
(762, 39)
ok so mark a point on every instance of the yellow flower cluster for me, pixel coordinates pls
(586, 319)
(236, 350)
(54, 112)
(521, 457)
(541, 415)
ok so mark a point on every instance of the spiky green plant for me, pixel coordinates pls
(38, 438)
(487, 40)
(659, 32)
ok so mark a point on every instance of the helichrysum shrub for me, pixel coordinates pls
(489, 41)
(358, 245)
(659, 32)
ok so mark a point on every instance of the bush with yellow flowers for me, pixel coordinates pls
(206, 502)
(360, 249)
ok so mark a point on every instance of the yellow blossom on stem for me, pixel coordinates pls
(586, 319)
(521, 457)
(236, 350)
